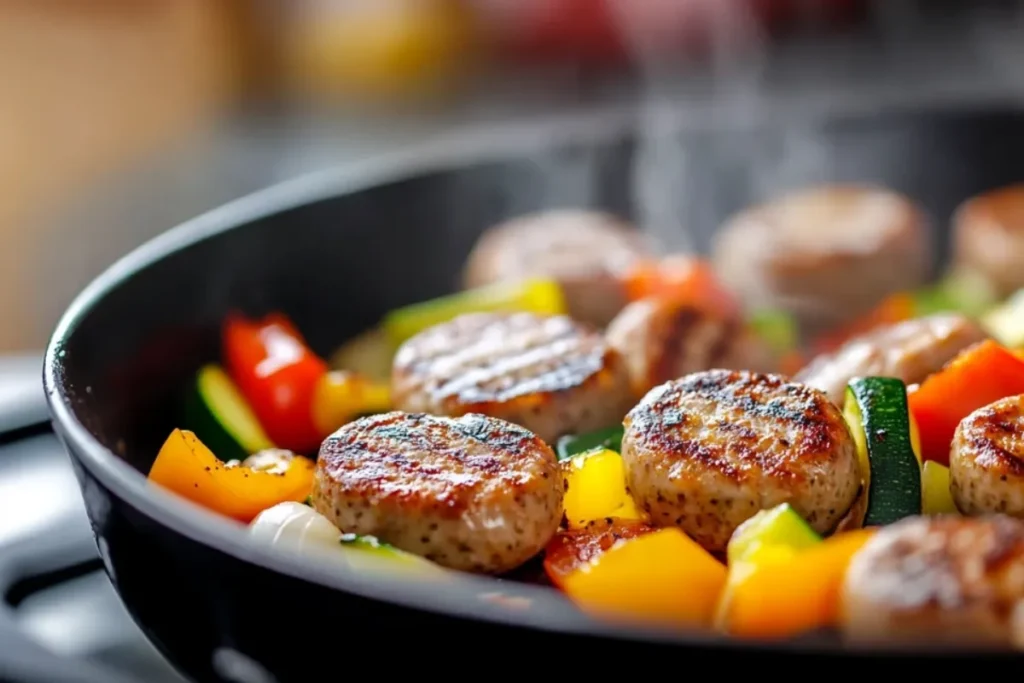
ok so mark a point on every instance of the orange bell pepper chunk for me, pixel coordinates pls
(663, 577)
(574, 548)
(978, 376)
(687, 278)
(893, 309)
(187, 467)
(786, 598)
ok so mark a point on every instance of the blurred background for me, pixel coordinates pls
(121, 118)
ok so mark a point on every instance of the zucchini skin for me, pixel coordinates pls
(606, 439)
(894, 488)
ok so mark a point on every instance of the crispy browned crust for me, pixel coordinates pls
(911, 351)
(950, 581)
(552, 374)
(665, 338)
(987, 459)
(423, 464)
(654, 424)
(993, 437)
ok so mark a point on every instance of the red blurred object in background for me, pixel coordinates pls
(597, 30)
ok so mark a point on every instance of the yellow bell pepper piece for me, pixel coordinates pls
(341, 396)
(792, 592)
(540, 296)
(595, 488)
(663, 576)
(187, 467)
(935, 496)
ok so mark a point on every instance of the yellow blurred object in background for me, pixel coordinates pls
(377, 47)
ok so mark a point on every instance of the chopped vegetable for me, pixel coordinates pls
(573, 548)
(298, 528)
(775, 327)
(369, 353)
(663, 576)
(571, 446)
(876, 409)
(341, 396)
(781, 525)
(963, 290)
(187, 467)
(540, 296)
(1006, 322)
(278, 374)
(795, 594)
(773, 535)
(595, 488)
(979, 375)
(682, 277)
(936, 498)
(220, 416)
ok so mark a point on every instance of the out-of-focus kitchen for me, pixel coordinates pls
(120, 119)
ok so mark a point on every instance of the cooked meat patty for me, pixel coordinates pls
(988, 237)
(986, 460)
(471, 493)
(662, 339)
(940, 581)
(582, 250)
(708, 451)
(909, 351)
(826, 254)
(552, 375)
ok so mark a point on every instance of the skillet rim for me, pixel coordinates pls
(460, 598)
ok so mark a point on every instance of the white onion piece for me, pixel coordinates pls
(298, 528)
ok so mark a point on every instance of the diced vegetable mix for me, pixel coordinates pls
(252, 421)
(187, 467)
(980, 375)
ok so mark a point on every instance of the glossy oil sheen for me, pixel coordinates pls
(335, 266)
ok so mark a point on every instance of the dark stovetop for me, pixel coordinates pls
(72, 609)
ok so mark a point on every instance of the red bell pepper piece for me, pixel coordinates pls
(980, 375)
(682, 277)
(278, 373)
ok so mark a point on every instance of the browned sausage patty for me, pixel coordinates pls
(826, 254)
(552, 375)
(708, 451)
(940, 581)
(663, 338)
(471, 493)
(986, 460)
(909, 351)
(582, 250)
(988, 237)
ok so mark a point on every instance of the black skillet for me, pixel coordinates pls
(337, 250)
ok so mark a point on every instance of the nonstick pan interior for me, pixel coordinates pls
(337, 251)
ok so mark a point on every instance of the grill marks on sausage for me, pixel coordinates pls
(691, 338)
(514, 356)
(994, 437)
(435, 462)
(800, 417)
